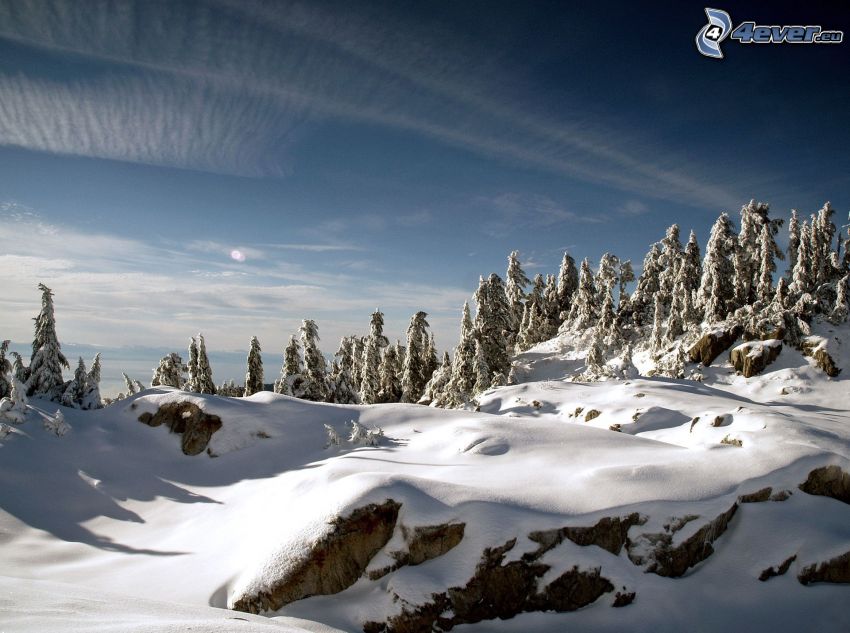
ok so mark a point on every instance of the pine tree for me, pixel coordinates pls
(192, 382)
(606, 276)
(679, 308)
(5, 368)
(358, 348)
(435, 387)
(802, 281)
(715, 295)
(459, 390)
(205, 379)
(413, 379)
(370, 386)
(764, 291)
(523, 338)
(19, 371)
(429, 356)
(643, 298)
(516, 281)
(538, 291)
(254, 375)
(691, 262)
(91, 397)
(840, 309)
(608, 318)
(76, 387)
(292, 371)
(376, 330)
(793, 240)
(315, 386)
(551, 308)
(129, 385)
(170, 372)
(45, 370)
(627, 276)
(567, 285)
(595, 360)
(658, 324)
(483, 374)
(390, 376)
(342, 389)
(584, 311)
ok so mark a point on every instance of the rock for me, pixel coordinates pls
(752, 358)
(188, 419)
(828, 481)
(732, 441)
(756, 497)
(714, 343)
(592, 415)
(772, 572)
(836, 570)
(671, 561)
(609, 533)
(498, 590)
(624, 598)
(334, 563)
(423, 544)
(816, 348)
(782, 495)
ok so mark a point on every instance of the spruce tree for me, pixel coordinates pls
(551, 307)
(91, 397)
(254, 374)
(516, 281)
(627, 276)
(192, 382)
(390, 376)
(642, 300)
(567, 285)
(671, 256)
(607, 275)
(370, 385)
(292, 372)
(129, 385)
(315, 385)
(657, 324)
(358, 348)
(802, 281)
(5, 368)
(75, 389)
(20, 372)
(342, 389)
(764, 291)
(376, 329)
(170, 372)
(840, 309)
(692, 264)
(462, 382)
(413, 378)
(435, 387)
(608, 318)
(205, 379)
(716, 294)
(584, 311)
(595, 360)
(429, 356)
(538, 291)
(45, 370)
(793, 240)
(483, 374)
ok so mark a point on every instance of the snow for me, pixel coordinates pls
(110, 527)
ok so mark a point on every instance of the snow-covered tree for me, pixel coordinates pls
(459, 389)
(20, 372)
(627, 276)
(516, 281)
(551, 308)
(538, 291)
(606, 276)
(793, 240)
(657, 324)
(254, 374)
(567, 285)
(47, 358)
(840, 309)
(342, 389)
(716, 292)
(358, 349)
(802, 280)
(376, 329)
(192, 382)
(205, 379)
(370, 386)
(76, 388)
(170, 372)
(91, 396)
(692, 264)
(483, 374)
(671, 256)
(493, 322)
(642, 300)
(607, 323)
(292, 371)
(435, 387)
(5, 368)
(129, 385)
(315, 385)
(390, 376)
(584, 311)
(14, 407)
(413, 377)
(764, 290)
(595, 360)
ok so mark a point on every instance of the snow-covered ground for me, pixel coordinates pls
(111, 527)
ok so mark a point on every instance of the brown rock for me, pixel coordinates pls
(772, 572)
(423, 544)
(836, 570)
(714, 343)
(828, 481)
(753, 358)
(624, 598)
(186, 418)
(609, 533)
(334, 563)
(592, 415)
(816, 348)
(756, 497)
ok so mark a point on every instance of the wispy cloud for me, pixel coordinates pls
(199, 103)
(509, 210)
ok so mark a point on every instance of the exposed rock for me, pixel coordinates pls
(816, 347)
(772, 572)
(423, 544)
(616, 427)
(498, 590)
(335, 562)
(720, 420)
(732, 441)
(782, 495)
(752, 358)
(624, 598)
(693, 424)
(835, 570)
(756, 497)
(829, 481)
(665, 559)
(592, 415)
(713, 343)
(188, 419)
(609, 533)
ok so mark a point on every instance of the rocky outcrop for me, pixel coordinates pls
(816, 348)
(423, 544)
(609, 533)
(828, 481)
(753, 358)
(334, 563)
(758, 496)
(195, 426)
(499, 590)
(592, 415)
(713, 343)
(834, 570)
(780, 570)
(658, 554)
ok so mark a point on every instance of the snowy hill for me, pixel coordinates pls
(557, 496)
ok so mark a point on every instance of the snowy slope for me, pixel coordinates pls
(112, 518)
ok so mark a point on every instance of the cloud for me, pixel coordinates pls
(632, 208)
(192, 102)
(509, 210)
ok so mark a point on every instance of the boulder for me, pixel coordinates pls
(816, 348)
(836, 570)
(423, 544)
(828, 481)
(609, 533)
(752, 358)
(713, 343)
(186, 418)
(779, 570)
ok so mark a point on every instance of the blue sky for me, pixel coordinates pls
(379, 154)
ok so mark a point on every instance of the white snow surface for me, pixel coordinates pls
(110, 527)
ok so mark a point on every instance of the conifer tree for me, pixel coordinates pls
(802, 281)
(764, 291)
(315, 385)
(390, 376)
(606, 276)
(840, 309)
(515, 289)
(75, 388)
(45, 370)
(567, 285)
(292, 372)
(584, 311)
(627, 276)
(19, 371)
(254, 374)
(91, 397)
(642, 300)
(129, 385)
(435, 387)
(551, 307)
(793, 240)
(358, 348)
(413, 379)
(192, 382)
(342, 390)
(429, 356)
(658, 324)
(483, 374)
(608, 318)
(376, 330)
(462, 382)
(692, 264)
(205, 379)
(170, 372)
(595, 360)
(715, 294)
(5, 368)
(370, 385)
(538, 291)
(522, 341)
